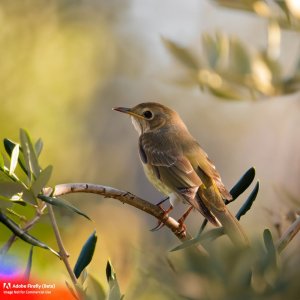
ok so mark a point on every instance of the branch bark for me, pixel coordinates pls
(130, 199)
(289, 234)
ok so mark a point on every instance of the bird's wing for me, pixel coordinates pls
(175, 170)
(205, 169)
(170, 166)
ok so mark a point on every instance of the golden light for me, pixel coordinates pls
(294, 7)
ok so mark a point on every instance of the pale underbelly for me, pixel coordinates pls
(161, 187)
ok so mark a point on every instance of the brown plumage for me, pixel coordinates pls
(175, 163)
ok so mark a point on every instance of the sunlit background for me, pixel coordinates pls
(65, 64)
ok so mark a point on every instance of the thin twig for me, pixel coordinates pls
(289, 234)
(62, 251)
(131, 199)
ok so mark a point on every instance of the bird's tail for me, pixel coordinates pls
(206, 212)
(214, 209)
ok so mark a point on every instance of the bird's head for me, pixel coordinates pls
(150, 116)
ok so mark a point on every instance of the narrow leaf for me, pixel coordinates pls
(186, 244)
(5, 177)
(62, 203)
(14, 159)
(96, 287)
(41, 180)
(248, 203)
(70, 288)
(1, 162)
(29, 154)
(14, 199)
(181, 54)
(211, 50)
(9, 146)
(26, 275)
(114, 289)
(38, 146)
(10, 224)
(270, 247)
(86, 254)
(243, 183)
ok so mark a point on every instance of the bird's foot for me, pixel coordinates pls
(182, 227)
(161, 224)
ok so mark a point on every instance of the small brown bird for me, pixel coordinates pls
(177, 166)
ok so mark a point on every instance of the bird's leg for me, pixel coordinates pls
(165, 213)
(182, 226)
(162, 201)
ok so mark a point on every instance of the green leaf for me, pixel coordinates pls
(10, 224)
(5, 202)
(5, 177)
(239, 60)
(41, 180)
(211, 50)
(38, 146)
(1, 162)
(182, 54)
(114, 289)
(270, 247)
(186, 244)
(248, 203)
(30, 156)
(96, 287)
(9, 146)
(70, 288)
(242, 184)
(14, 159)
(10, 201)
(62, 203)
(86, 254)
(225, 92)
(26, 275)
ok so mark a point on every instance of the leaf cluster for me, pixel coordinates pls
(228, 69)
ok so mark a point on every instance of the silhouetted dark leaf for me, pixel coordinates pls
(242, 184)
(86, 254)
(14, 227)
(114, 289)
(248, 203)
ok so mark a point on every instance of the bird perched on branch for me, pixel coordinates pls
(177, 166)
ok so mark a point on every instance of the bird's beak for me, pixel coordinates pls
(128, 111)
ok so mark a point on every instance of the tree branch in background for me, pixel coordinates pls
(289, 234)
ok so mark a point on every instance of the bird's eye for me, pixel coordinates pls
(147, 114)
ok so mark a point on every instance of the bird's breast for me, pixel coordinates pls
(154, 179)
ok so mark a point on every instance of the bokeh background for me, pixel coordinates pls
(65, 64)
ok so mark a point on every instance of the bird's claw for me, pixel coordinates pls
(161, 224)
(158, 226)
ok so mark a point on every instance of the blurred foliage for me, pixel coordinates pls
(230, 70)
(55, 56)
(257, 272)
(24, 183)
